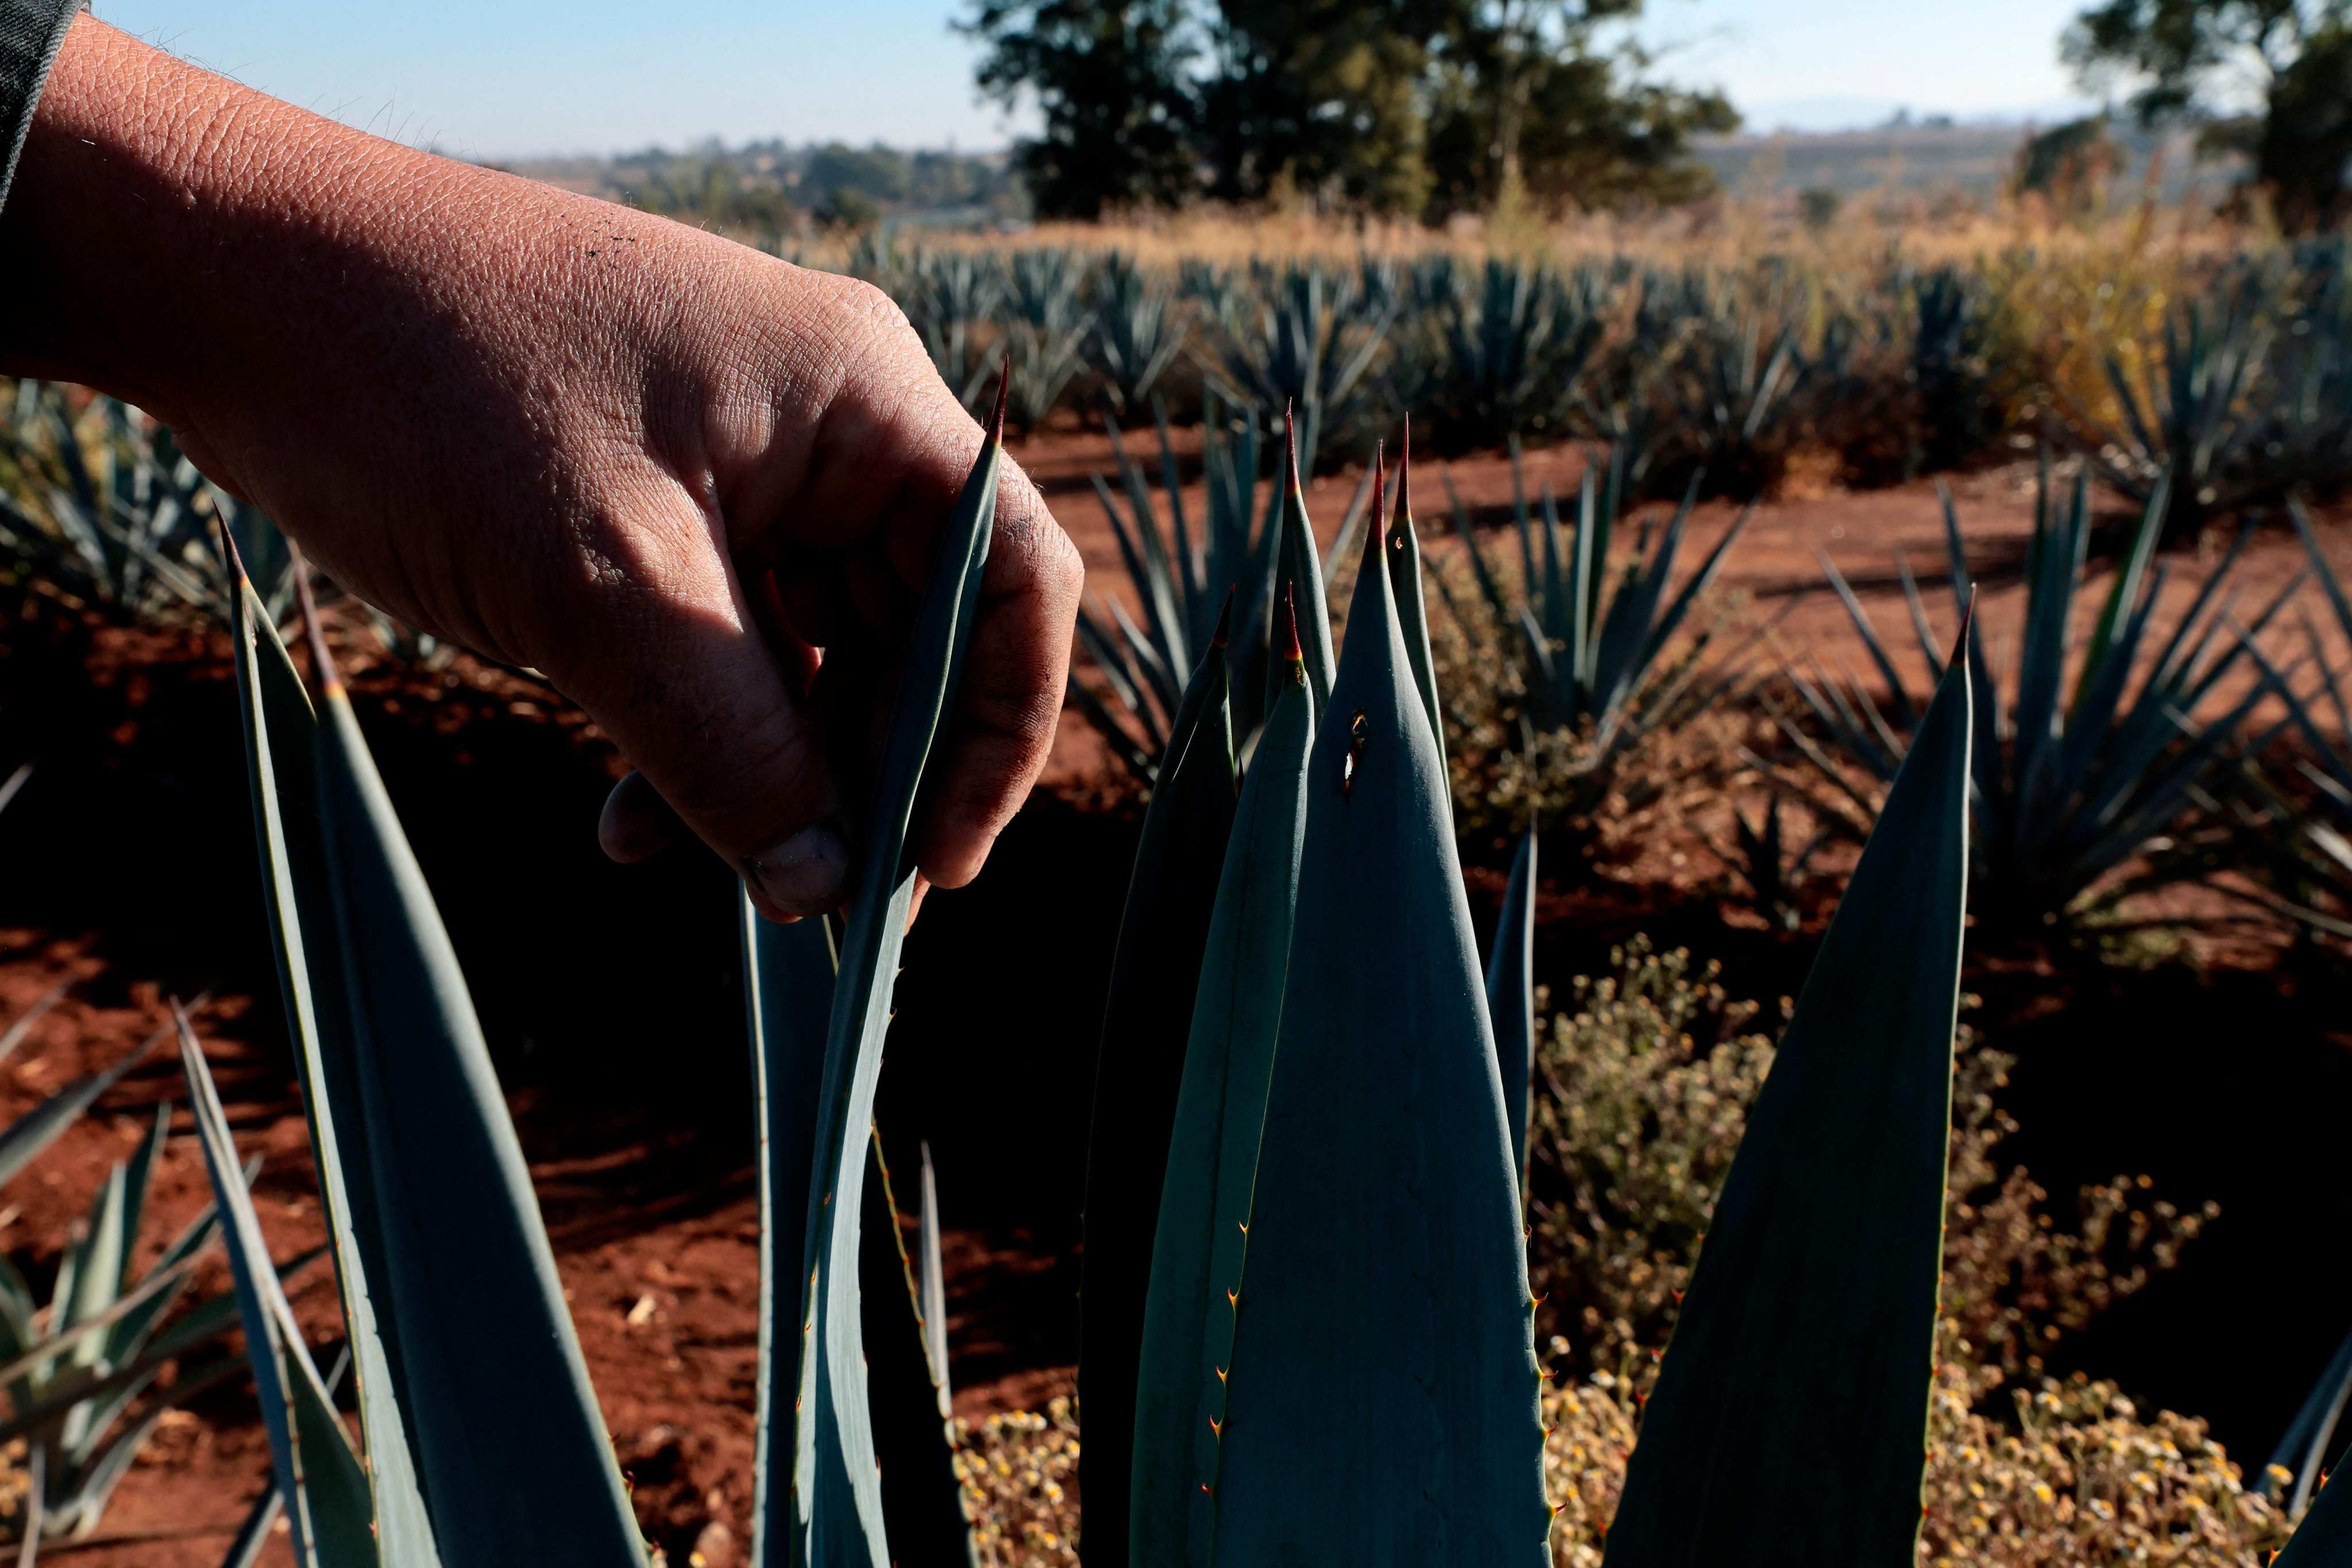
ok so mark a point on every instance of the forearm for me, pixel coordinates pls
(172, 230)
(250, 271)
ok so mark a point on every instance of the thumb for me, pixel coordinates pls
(695, 694)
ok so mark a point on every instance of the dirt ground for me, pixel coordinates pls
(610, 997)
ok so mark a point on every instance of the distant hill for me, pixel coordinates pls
(1975, 159)
(770, 190)
(768, 187)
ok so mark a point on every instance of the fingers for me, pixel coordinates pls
(892, 452)
(675, 667)
(636, 824)
(1011, 701)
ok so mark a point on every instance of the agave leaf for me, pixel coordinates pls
(837, 1485)
(1146, 1017)
(1205, 1204)
(2303, 1450)
(788, 999)
(23, 1023)
(1906, 714)
(2324, 1538)
(1511, 995)
(922, 1500)
(281, 730)
(1788, 1422)
(931, 1284)
(1298, 579)
(1490, 586)
(332, 1518)
(1412, 613)
(2124, 592)
(464, 1326)
(38, 1128)
(1383, 1398)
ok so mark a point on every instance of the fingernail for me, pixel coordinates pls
(807, 874)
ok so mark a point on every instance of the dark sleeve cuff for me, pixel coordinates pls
(30, 34)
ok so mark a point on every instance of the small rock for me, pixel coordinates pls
(715, 1546)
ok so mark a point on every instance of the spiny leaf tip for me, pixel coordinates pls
(1405, 473)
(1967, 620)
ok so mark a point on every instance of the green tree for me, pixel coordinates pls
(1413, 108)
(1534, 102)
(1113, 82)
(1325, 99)
(2196, 60)
(877, 173)
(1448, 106)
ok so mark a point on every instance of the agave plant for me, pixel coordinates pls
(2190, 416)
(1305, 340)
(2070, 787)
(2292, 842)
(1329, 962)
(77, 1367)
(1180, 583)
(1592, 659)
(1775, 867)
(1742, 375)
(1949, 319)
(1138, 331)
(1507, 346)
(950, 298)
(112, 514)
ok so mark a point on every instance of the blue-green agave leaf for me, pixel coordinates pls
(1146, 1018)
(2324, 1538)
(1787, 1425)
(38, 1128)
(836, 1483)
(1298, 580)
(1204, 1203)
(1511, 996)
(331, 1517)
(1381, 1402)
(1412, 613)
(2303, 1451)
(788, 1002)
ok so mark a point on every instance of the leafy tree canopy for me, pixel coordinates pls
(2272, 79)
(1414, 108)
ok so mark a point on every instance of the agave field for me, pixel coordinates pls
(1683, 915)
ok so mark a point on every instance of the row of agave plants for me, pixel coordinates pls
(2212, 744)
(2243, 389)
(1307, 1327)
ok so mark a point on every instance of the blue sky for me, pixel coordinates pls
(497, 78)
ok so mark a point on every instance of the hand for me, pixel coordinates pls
(563, 433)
